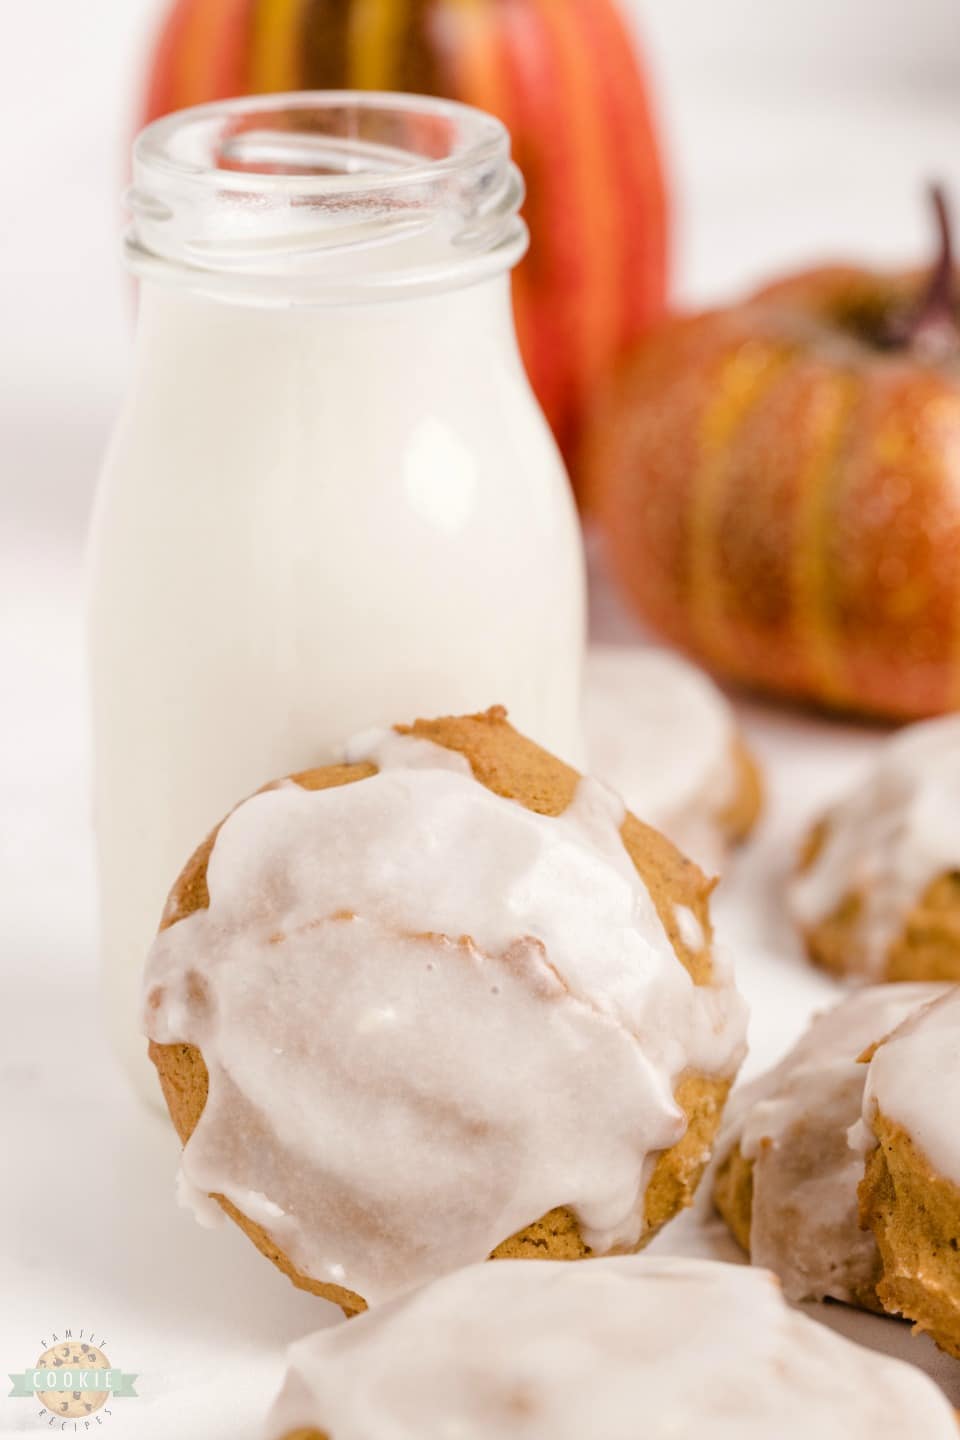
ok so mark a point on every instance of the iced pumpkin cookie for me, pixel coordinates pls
(877, 892)
(786, 1176)
(662, 734)
(910, 1193)
(443, 1001)
(624, 1348)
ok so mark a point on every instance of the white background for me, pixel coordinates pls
(797, 129)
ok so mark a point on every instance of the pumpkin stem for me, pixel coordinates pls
(931, 328)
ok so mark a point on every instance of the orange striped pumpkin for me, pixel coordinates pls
(562, 74)
(779, 493)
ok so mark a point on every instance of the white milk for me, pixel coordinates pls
(331, 502)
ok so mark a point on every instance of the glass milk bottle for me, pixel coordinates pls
(331, 501)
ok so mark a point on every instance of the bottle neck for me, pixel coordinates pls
(462, 332)
(310, 200)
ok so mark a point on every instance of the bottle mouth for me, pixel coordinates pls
(324, 196)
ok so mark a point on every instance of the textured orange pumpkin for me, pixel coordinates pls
(565, 78)
(778, 486)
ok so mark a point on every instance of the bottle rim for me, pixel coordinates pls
(324, 195)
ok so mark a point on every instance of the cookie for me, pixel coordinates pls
(665, 737)
(910, 1192)
(786, 1176)
(626, 1347)
(443, 1001)
(877, 890)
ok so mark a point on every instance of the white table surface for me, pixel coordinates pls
(89, 1232)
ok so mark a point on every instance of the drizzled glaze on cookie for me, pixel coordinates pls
(430, 1016)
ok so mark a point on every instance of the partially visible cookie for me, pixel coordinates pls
(624, 1348)
(877, 890)
(786, 1176)
(910, 1193)
(666, 738)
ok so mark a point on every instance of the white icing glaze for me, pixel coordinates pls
(662, 734)
(896, 832)
(689, 928)
(430, 1016)
(203, 1207)
(914, 1080)
(666, 1349)
(793, 1124)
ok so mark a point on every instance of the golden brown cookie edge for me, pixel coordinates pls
(926, 950)
(914, 1213)
(740, 816)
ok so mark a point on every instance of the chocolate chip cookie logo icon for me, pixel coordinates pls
(74, 1381)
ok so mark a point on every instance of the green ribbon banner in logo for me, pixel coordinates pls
(76, 1377)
